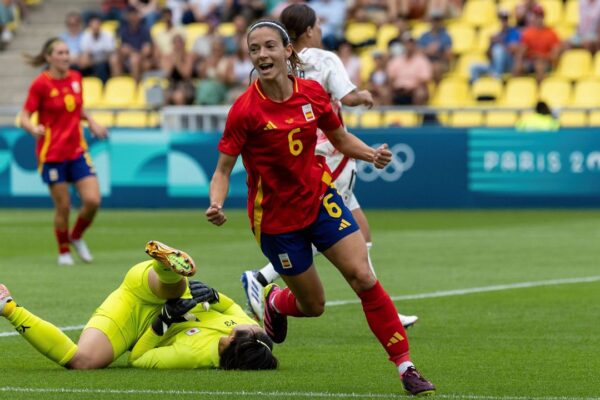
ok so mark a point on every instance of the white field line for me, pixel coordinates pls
(243, 393)
(431, 295)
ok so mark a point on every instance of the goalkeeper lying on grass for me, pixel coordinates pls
(164, 319)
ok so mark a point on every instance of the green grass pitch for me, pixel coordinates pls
(533, 342)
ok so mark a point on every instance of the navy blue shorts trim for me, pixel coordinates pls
(68, 171)
(291, 252)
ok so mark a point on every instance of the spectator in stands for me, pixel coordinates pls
(135, 53)
(525, 14)
(148, 9)
(437, 46)
(282, 5)
(240, 24)
(212, 73)
(503, 47)
(448, 8)
(163, 40)
(409, 9)
(539, 49)
(6, 17)
(239, 68)
(201, 11)
(332, 17)
(589, 25)
(178, 67)
(97, 46)
(378, 83)
(541, 120)
(72, 37)
(409, 74)
(109, 10)
(350, 60)
(251, 9)
(204, 43)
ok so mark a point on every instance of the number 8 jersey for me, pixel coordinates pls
(277, 142)
(58, 103)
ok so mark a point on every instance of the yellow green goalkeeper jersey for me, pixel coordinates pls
(192, 344)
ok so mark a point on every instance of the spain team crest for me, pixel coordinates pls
(308, 112)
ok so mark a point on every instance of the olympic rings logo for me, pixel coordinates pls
(403, 158)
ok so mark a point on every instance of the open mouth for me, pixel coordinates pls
(265, 67)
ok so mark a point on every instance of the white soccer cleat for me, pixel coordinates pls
(82, 250)
(5, 297)
(253, 290)
(65, 259)
(408, 320)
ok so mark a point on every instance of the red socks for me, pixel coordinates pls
(80, 227)
(285, 303)
(62, 237)
(384, 323)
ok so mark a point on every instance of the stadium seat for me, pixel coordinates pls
(587, 93)
(573, 119)
(92, 91)
(572, 13)
(359, 32)
(367, 65)
(153, 120)
(350, 119)
(119, 92)
(520, 92)
(157, 28)
(106, 118)
(419, 29)
(464, 63)
(463, 37)
(596, 66)
(482, 42)
(479, 12)
(386, 33)
(574, 64)
(565, 31)
(193, 31)
(371, 119)
(401, 118)
(466, 118)
(555, 91)
(226, 29)
(487, 90)
(132, 119)
(509, 5)
(553, 11)
(451, 92)
(501, 118)
(594, 118)
(110, 26)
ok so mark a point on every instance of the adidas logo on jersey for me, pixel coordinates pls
(344, 224)
(395, 339)
(270, 126)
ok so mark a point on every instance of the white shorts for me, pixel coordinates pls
(345, 185)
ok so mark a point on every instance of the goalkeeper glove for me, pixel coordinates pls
(174, 310)
(204, 294)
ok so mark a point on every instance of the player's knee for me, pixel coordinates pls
(362, 280)
(92, 202)
(314, 308)
(85, 360)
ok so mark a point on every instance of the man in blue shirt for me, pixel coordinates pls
(135, 53)
(437, 46)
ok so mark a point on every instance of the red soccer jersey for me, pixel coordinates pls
(277, 143)
(59, 104)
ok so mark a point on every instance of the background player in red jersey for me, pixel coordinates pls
(57, 96)
(291, 202)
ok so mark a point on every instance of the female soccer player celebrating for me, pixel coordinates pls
(325, 67)
(56, 95)
(291, 203)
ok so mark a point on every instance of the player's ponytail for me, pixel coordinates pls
(249, 351)
(40, 59)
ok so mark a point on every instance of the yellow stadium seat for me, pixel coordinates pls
(106, 118)
(466, 118)
(401, 118)
(556, 92)
(574, 64)
(565, 31)
(596, 66)
(153, 120)
(193, 31)
(33, 118)
(358, 32)
(119, 92)
(501, 118)
(367, 65)
(371, 119)
(132, 119)
(572, 12)
(110, 26)
(157, 28)
(509, 5)
(226, 29)
(594, 118)
(573, 119)
(33, 2)
(520, 92)
(419, 29)
(587, 93)
(482, 42)
(479, 12)
(350, 119)
(451, 92)
(386, 33)
(553, 11)
(92, 91)
(463, 37)
(487, 90)
(463, 66)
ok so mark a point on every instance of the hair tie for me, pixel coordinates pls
(269, 23)
(264, 344)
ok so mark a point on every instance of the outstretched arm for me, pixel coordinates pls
(219, 187)
(353, 147)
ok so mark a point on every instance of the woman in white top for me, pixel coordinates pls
(326, 68)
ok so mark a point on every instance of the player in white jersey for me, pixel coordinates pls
(326, 68)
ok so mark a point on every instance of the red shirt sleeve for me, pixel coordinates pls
(235, 133)
(327, 119)
(34, 97)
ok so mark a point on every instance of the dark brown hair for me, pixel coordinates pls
(295, 61)
(40, 59)
(249, 350)
(297, 18)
